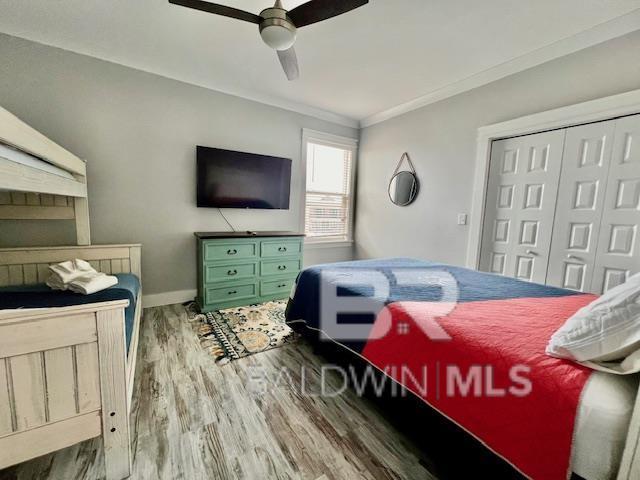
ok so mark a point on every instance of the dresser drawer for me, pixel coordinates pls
(230, 292)
(244, 270)
(280, 267)
(280, 286)
(230, 271)
(214, 250)
(281, 248)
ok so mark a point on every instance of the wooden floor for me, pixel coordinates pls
(193, 419)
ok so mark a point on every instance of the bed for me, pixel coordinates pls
(40, 180)
(579, 421)
(39, 295)
(67, 361)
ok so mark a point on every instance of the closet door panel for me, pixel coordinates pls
(521, 198)
(618, 255)
(499, 211)
(583, 183)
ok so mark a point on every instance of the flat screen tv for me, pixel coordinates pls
(228, 179)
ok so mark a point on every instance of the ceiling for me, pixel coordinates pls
(355, 66)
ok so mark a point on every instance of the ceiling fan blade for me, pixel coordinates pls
(218, 10)
(318, 10)
(289, 62)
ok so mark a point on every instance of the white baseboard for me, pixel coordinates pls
(168, 298)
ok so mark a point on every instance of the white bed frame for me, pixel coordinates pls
(33, 194)
(65, 375)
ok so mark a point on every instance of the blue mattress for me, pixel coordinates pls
(41, 296)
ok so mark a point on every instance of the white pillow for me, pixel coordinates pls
(606, 329)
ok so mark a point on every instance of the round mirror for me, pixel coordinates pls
(403, 188)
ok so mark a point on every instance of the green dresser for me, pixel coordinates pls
(236, 269)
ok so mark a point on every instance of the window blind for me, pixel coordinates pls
(327, 214)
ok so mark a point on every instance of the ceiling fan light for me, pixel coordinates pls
(278, 37)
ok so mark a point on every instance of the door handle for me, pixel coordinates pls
(574, 257)
(531, 252)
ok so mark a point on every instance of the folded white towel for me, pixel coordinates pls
(92, 283)
(79, 276)
(55, 283)
(68, 271)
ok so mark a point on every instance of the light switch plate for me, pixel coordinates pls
(462, 219)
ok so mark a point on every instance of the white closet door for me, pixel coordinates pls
(585, 166)
(521, 200)
(618, 254)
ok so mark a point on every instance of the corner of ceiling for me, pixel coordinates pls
(609, 30)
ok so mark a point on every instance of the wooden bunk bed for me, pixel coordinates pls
(66, 373)
(41, 180)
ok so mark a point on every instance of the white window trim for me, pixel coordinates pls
(331, 140)
(320, 244)
(592, 111)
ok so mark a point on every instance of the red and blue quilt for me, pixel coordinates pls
(470, 344)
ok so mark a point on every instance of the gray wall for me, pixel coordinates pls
(138, 133)
(441, 141)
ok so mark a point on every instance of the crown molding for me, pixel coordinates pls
(609, 30)
(284, 104)
(265, 99)
(270, 100)
(614, 28)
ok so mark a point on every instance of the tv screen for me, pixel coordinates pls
(228, 179)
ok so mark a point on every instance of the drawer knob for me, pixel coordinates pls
(232, 251)
(232, 272)
(282, 285)
(282, 267)
(282, 249)
(233, 292)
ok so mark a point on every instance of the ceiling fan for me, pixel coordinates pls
(278, 26)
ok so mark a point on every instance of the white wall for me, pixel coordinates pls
(138, 133)
(441, 141)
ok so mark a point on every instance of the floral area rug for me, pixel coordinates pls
(242, 331)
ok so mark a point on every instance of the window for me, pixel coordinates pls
(330, 163)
